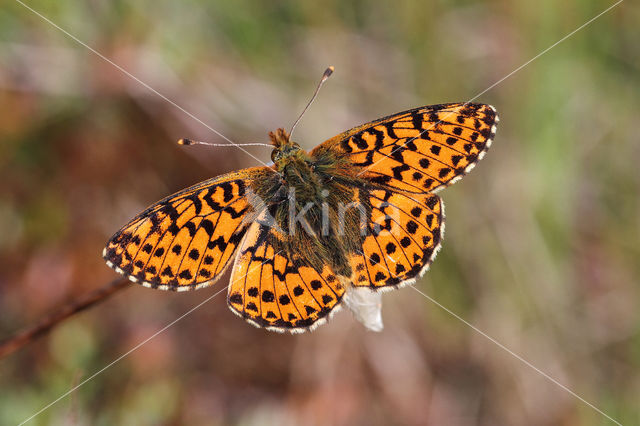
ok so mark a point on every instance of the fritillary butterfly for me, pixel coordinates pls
(364, 215)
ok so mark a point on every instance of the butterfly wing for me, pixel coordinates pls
(274, 288)
(420, 150)
(405, 158)
(403, 237)
(186, 240)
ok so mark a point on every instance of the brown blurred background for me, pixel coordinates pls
(542, 245)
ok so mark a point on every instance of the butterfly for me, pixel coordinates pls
(358, 211)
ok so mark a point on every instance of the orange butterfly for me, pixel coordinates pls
(358, 211)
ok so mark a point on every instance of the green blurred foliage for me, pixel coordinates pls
(541, 250)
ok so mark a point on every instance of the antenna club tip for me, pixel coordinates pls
(185, 142)
(329, 71)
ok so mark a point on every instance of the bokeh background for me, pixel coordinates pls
(542, 245)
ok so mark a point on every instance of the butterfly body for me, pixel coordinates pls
(317, 186)
(357, 211)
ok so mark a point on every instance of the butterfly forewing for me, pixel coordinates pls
(420, 150)
(186, 240)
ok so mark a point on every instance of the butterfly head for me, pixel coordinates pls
(284, 148)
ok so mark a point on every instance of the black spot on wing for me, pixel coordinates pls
(207, 225)
(207, 197)
(197, 204)
(227, 191)
(267, 296)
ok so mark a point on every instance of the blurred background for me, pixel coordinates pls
(542, 244)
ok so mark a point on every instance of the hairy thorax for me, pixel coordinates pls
(314, 204)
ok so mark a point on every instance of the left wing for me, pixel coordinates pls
(186, 240)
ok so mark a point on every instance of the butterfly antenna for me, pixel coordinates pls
(325, 76)
(192, 142)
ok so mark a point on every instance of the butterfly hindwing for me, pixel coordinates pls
(278, 290)
(186, 240)
(420, 150)
(404, 235)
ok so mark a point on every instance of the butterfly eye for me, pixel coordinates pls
(273, 155)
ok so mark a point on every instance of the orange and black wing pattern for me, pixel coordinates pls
(421, 150)
(186, 240)
(274, 288)
(403, 237)
(405, 158)
(389, 168)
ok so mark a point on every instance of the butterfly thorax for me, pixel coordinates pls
(306, 184)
